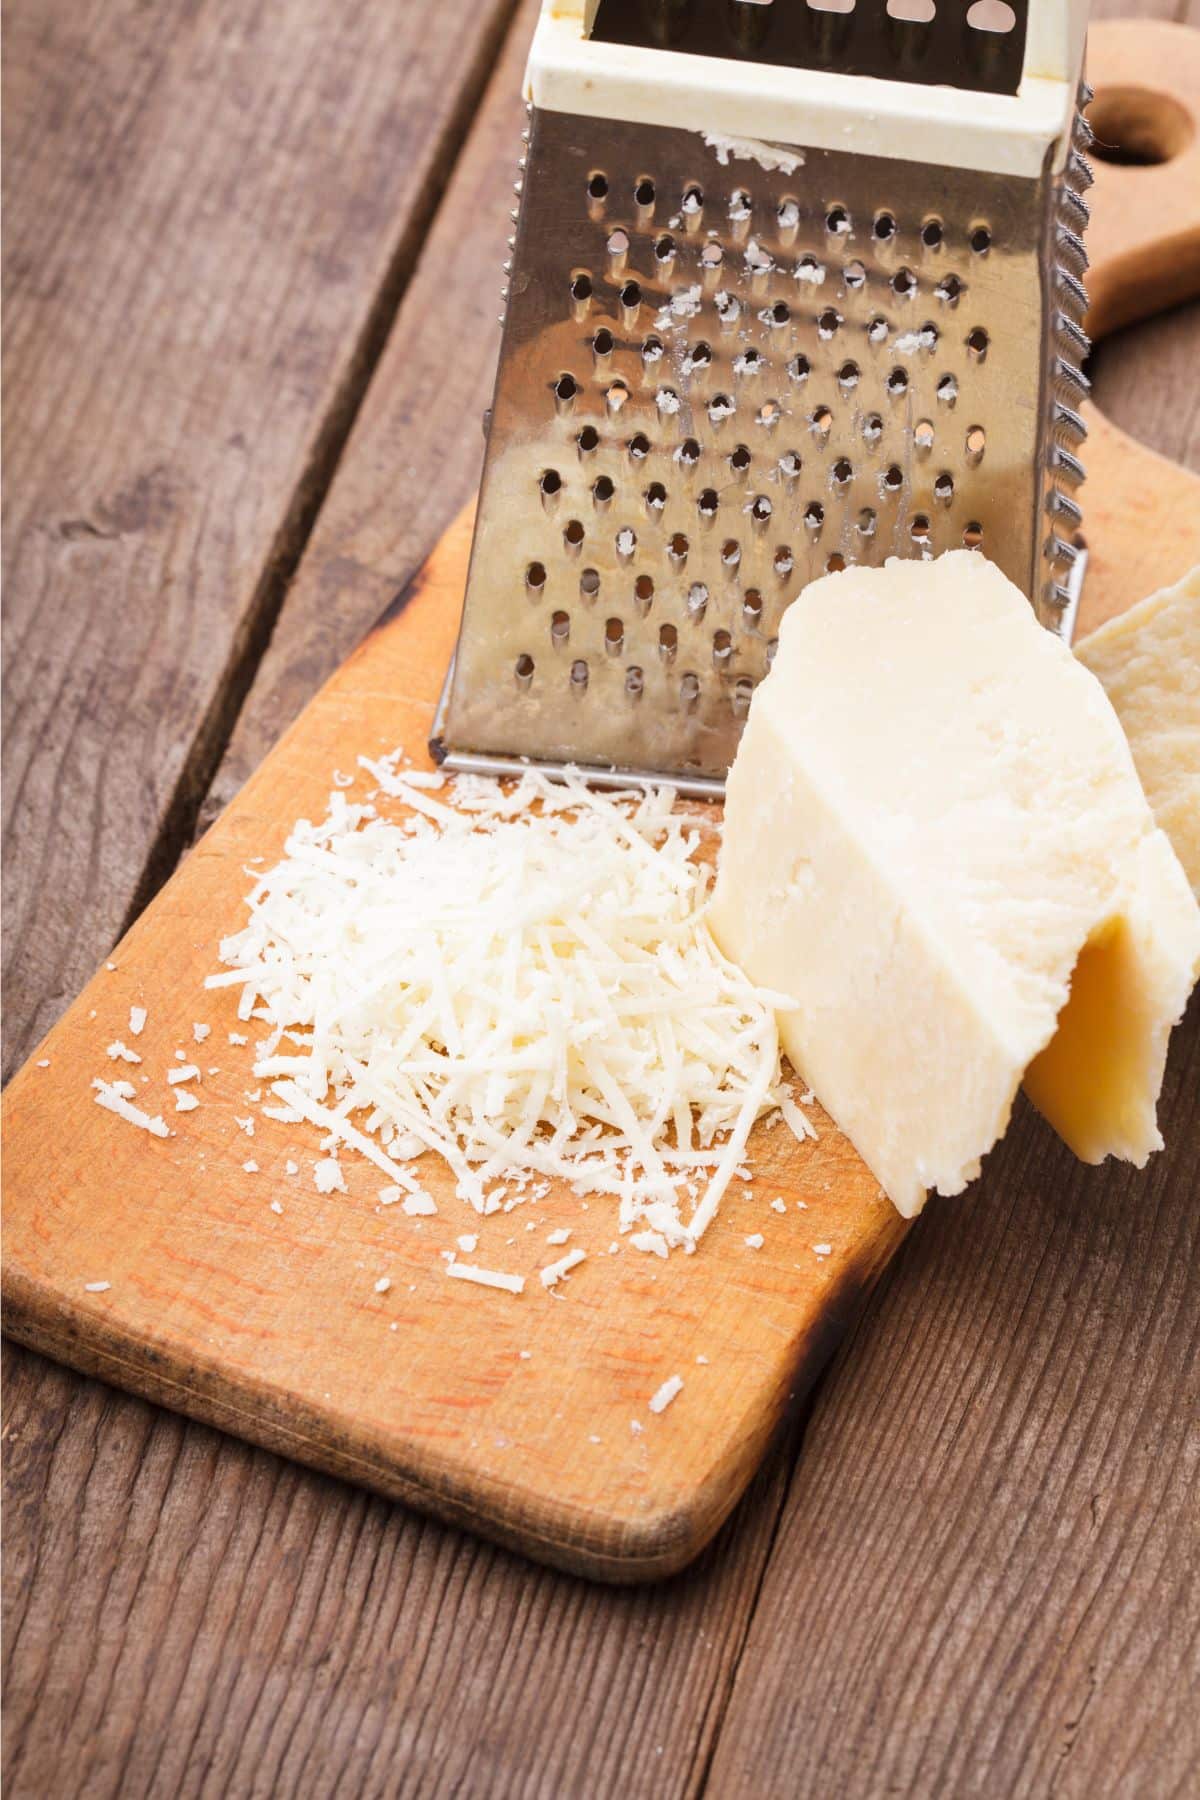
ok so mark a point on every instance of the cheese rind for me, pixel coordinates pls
(1149, 662)
(932, 816)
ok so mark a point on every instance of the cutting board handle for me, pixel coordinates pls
(1144, 236)
(1141, 513)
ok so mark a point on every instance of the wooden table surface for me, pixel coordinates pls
(252, 272)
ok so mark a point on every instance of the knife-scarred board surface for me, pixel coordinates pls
(512, 1415)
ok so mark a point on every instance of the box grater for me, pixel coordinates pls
(793, 287)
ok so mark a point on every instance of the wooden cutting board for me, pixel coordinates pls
(525, 1418)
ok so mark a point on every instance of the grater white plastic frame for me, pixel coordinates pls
(1004, 134)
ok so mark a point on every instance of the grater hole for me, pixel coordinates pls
(712, 256)
(639, 446)
(843, 472)
(720, 407)
(731, 553)
(760, 509)
(677, 549)
(977, 343)
(652, 350)
(835, 564)
(784, 562)
(897, 382)
(752, 606)
(749, 362)
(779, 314)
(688, 453)
(947, 390)
(602, 342)
(664, 248)
(523, 670)
(919, 529)
(980, 240)
(848, 377)
(790, 465)
(932, 233)
(631, 296)
(589, 584)
(587, 440)
(614, 636)
(740, 205)
(698, 357)
(837, 221)
(814, 516)
(722, 650)
(708, 503)
(692, 202)
(689, 692)
(822, 423)
(655, 496)
(615, 395)
(573, 534)
(643, 193)
(884, 226)
(943, 488)
(810, 270)
(550, 484)
(626, 542)
(617, 243)
(854, 275)
(565, 389)
(799, 368)
(928, 335)
(668, 642)
(923, 436)
(872, 429)
(904, 284)
(877, 330)
(973, 535)
(740, 459)
(635, 682)
(579, 676)
(772, 647)
(728, 307)
(892, 479)
(667, 402)
(743, 693)
(643, 593)
(866, 522)
(828, 322)
(948, 290)
(787, 215)
(602, 490)
(560, 628)
(535, 577)
(994, 16)
(697, 600)
(597, 186)
(976, 444)
(768, 415)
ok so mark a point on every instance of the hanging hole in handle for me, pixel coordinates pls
(911, 12)
(1137, 127)
(995, 16)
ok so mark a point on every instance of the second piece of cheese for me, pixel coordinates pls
(1149, 661)
(936, 842)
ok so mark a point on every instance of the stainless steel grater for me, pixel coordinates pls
(793, 287)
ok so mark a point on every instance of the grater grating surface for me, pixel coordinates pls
(722, 376)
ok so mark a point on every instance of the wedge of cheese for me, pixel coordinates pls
(936, 842)
(1149, 662)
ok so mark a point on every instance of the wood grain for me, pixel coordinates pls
(210, 211)
(524, 1417)
(206, 1574)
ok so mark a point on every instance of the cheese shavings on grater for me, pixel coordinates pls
(791, 289)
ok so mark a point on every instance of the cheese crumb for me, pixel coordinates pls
(185, 1101)
(250, 1167)
(419, 1205)
(511, 1284)
(200, 1032)
(755, 1240)
(110, 1096)
(388, 1196)
(778, 1205)
(275, 1207)
(120, 1052)
(383, 1284)
(291, 1168)
(662, 1398)
(558, 1237)
(96, 1287)
(652, 1242)
(468, 1241)
(236, 1037)
(822, 1249)
(188, 1072)
(137, 1020)
(553, 1273)
(328, 1177)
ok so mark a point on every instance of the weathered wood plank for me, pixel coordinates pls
(416, 451)
(210, 212)
(186, 1616)
(985, 1578)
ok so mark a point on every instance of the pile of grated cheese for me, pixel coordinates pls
(521, 981)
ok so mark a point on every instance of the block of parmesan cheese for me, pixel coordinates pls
(937, 845)
(1149, 662)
